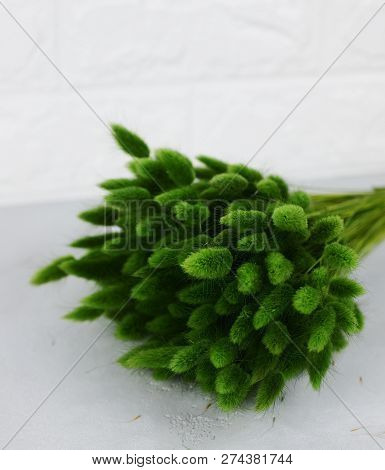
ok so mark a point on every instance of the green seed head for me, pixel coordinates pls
(229, 184)
(191, 214)
(186, 358)
(327, 228)
(306, 299)
(340, 257)
(243, 220)
(317, 366)
(299, 198)
(84, 313)
(202, 317)
(290, 218)
(222, 353)
(269, 390)
(242, 328)
(177, 166)
(345, 287)
(208, 263)
(51, 272)
(230, 379)
(273, 305)
(279, 268)
(319, 277)
(213, 163)
(118, 198)
(276, 338)
(249, 277)
(129, 142)
(323, 323)
(268, 188)
(248, 173)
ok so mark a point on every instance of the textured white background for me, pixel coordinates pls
(204, 76)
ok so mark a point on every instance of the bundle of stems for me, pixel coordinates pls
(230, 279)
(363, 214)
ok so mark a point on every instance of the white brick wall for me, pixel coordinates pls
(204, 76)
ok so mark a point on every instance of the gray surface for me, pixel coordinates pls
(101, 405)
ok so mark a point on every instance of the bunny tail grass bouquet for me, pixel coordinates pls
(227, 278)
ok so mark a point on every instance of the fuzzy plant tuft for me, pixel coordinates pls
(227, 277)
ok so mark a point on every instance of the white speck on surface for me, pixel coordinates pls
(194, 429)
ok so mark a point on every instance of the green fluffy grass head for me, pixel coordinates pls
(226, 276)
(290, 218)
(306, 299)
(208, 263)
(340, 257)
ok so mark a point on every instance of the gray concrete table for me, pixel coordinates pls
(100, 405)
